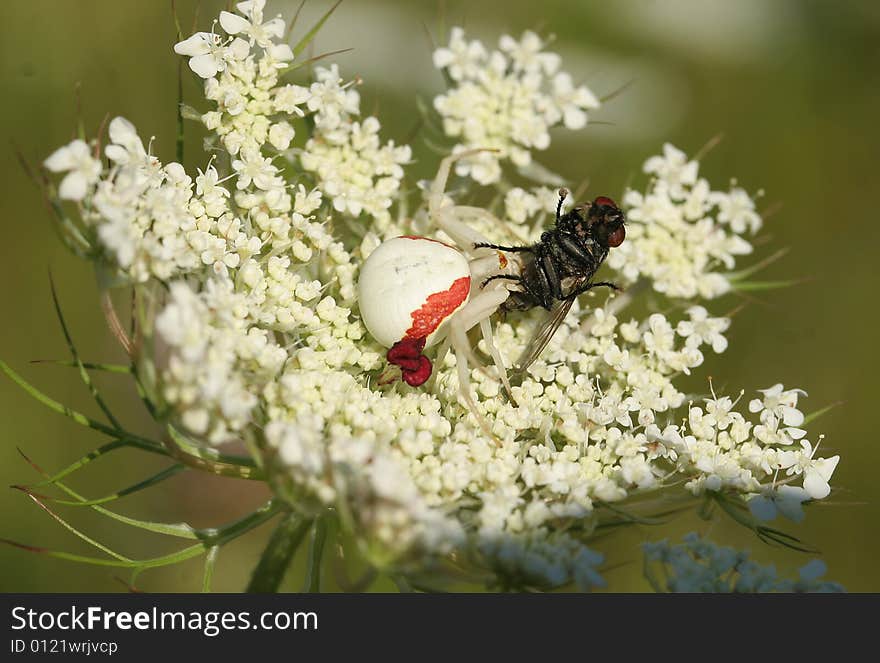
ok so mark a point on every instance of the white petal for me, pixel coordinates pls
(117, 153)
(443, 57)
(816, 485)
(574, 118)
(697, 313)
(250, 6)
(73, 187)
(233, 24)
(762, 508)
(789, 502)
(205, 66)
(685, 328)
(197, 44)
(240, 48)
(275, 27)
(792, 416)
(786, 459)
(122, 131)
(826, 466)
(61, 159)
(755, 405)
(281, 52)
(507, 43)
(719, 344)
(585, 98)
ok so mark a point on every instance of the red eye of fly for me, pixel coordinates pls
(603, 200)
(616, 238)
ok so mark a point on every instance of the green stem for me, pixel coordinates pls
(316, 552)
(210, 561)
(278, 553)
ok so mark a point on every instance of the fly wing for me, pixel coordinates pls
(542, 336)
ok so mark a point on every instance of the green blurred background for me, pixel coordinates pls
(794, 86)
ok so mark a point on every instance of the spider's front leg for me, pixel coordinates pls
(448, 217)
(477, 311)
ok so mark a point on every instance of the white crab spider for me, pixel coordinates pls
(416, 291)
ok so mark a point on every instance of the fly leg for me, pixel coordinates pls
(589, 286)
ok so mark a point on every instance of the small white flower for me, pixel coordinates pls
(126, 147)
(206, 53)
(738, 210)
(572, 101)
(82, 169)
(817, 476)
(779, 404)
(462, 59)
(526, 54)
(254, 168)
(251, 23)
(673, 169)
(784, 500)
(701, 329)
(817, 472)
(280, 135)
(520, 205)
(289, 98)
(332, 100)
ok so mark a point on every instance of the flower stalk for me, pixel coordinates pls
(278, 553)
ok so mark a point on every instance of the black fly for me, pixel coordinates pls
(561, 266)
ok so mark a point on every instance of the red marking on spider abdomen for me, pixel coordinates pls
(437, 308)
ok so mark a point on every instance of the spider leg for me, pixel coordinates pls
(461, 347)
(447, 219)
(492, 264)
(475, 311)
(438, 186)
(479, 308)
(486, 330)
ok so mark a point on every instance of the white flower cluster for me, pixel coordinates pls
(216, 361)
(506, 99)
(569, 443)
(521, 205)
(699, 566)
(338, 439)
(146, 217)
(680, 234)
(354, 169)
(263, 338)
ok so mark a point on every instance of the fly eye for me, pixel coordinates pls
(604, 201)
(616, 238)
